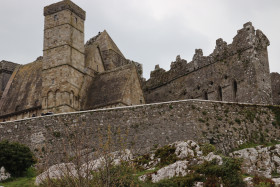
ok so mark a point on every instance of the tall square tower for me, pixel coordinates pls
(63, 57)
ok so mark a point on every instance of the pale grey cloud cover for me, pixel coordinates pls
(147, 31)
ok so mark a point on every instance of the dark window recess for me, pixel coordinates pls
(234, 89)
(17, 108)
(220, 93)
(205, 95)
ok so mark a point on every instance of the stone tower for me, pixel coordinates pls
(64, 58)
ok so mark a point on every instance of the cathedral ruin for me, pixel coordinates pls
(75, 75)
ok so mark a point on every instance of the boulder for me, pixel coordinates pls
(261, 161)
(187, 149)
(69, 169)
(56, 172)
(211, 156)
(4, 175)
(178, 168)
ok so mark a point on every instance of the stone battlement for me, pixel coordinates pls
(245, 39)
(223, 75)
(65, 5)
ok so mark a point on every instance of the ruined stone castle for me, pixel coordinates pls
(73, 75)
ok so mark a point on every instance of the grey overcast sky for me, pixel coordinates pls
(147, 31)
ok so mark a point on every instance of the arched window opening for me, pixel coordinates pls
(50, 99)
(57, 98)
(205, 95)
(72, 99)
(220, 93)
(234, 89)
(17, 108)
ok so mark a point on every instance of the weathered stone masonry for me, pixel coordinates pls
(225, 125)
(74, 76)
(71, 75)
(236, 72)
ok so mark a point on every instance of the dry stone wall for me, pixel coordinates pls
(226, 125)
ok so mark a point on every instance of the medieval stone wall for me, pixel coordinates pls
(238, 72)
(226, 125)
(275, 86)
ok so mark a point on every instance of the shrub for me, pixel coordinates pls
(229, 173)
(186, 181)
(207, 148)
(118, 175)
(15, 157)
(237, 121)
(166, 154)
(263, 182)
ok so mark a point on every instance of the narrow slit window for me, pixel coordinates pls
(220, 93)
(205, 95)
(234, 89)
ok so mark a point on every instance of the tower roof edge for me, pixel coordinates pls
(65, 5)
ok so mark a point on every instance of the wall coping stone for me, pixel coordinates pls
(138, 106)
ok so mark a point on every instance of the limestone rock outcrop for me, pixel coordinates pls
(261, 161)
(178, 159)
(71, 170)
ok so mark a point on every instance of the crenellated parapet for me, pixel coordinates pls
(246, 38)
(244, 60)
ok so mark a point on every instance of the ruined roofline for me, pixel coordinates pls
(65, 5)
(7, 66)
(9, 63)
(4, 62)
(21, 112)
(246, 38)
(93, 39)
(190, 101)
(110, 44)
(127, 66)
(103, 106)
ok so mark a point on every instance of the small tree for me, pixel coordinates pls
(16, 158)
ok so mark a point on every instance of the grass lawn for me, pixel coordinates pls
(20, 182)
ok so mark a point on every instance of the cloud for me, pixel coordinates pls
(148, 31)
